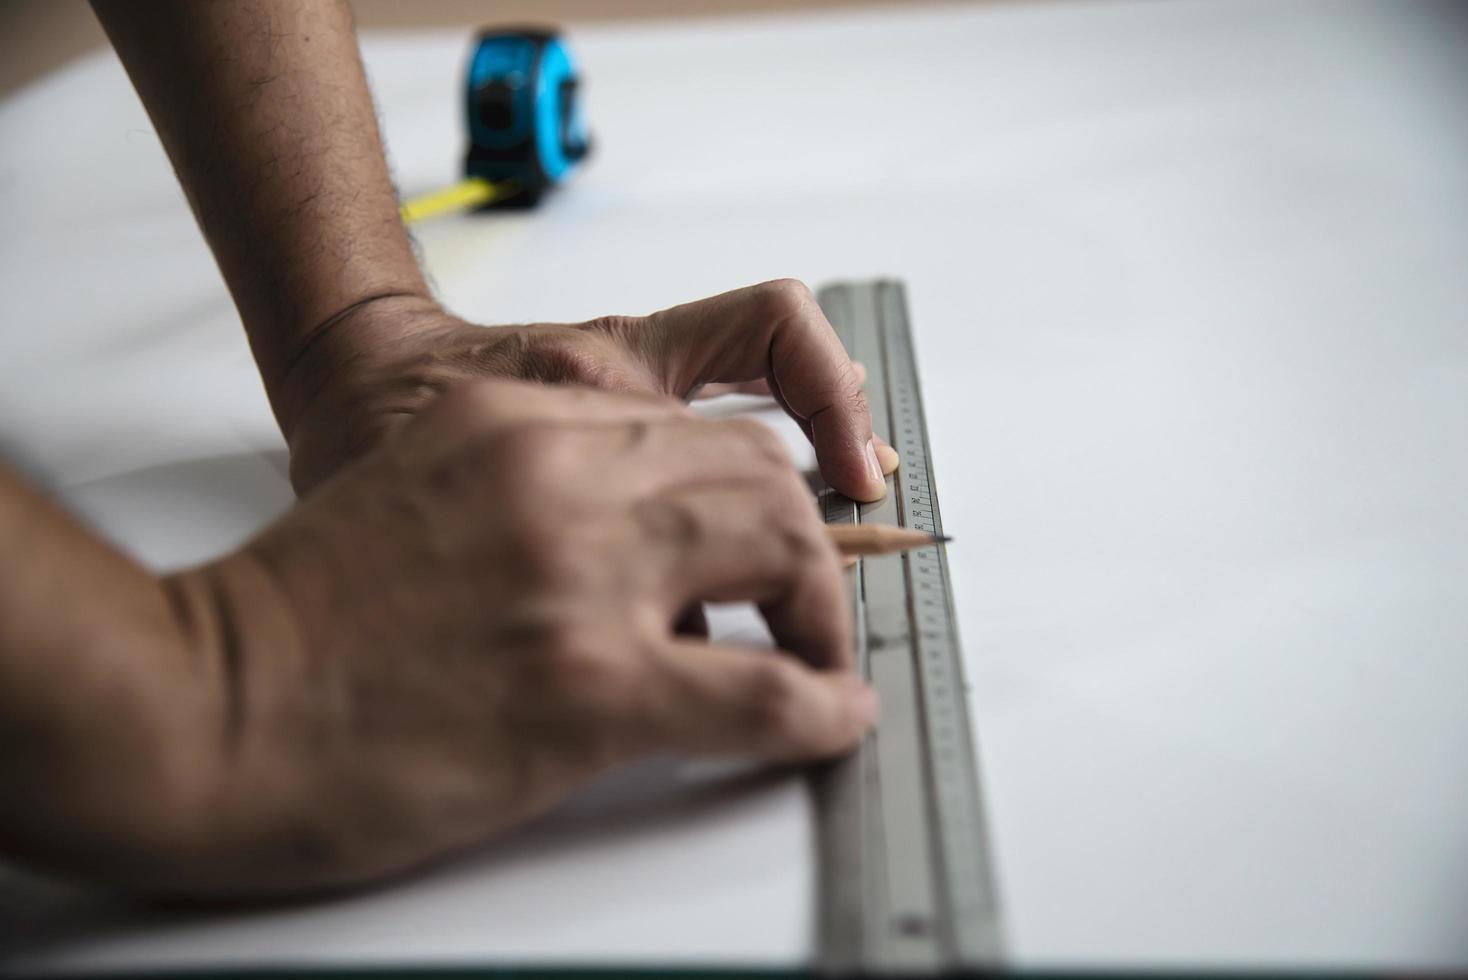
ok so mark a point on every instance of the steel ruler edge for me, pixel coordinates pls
(906, 875)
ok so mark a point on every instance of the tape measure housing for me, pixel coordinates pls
(525, 123)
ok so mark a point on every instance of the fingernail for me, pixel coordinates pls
(886, 456)
(874, 468)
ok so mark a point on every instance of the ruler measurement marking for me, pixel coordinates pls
(962, 830)
(918, 853)
(900, 925)
(946, 716)
(898, 375)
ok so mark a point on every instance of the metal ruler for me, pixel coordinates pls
(906, 873)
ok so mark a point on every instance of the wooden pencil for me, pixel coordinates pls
(856, 540)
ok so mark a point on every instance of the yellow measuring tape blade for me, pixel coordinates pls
(472, 192)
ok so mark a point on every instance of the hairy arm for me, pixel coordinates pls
(264, 110)
(106, 706)
(119, 690)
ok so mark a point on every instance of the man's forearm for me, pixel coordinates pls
(265, 112)
(107, 710)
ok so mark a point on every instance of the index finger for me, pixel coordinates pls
(722, 700)
(776, 331)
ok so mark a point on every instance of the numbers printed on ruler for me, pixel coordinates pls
(914, 885)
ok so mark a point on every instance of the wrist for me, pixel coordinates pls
(248, 782)
(341, 354)
(292, 805)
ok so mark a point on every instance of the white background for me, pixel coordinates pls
(1190, 287)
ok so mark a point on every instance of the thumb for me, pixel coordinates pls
(775, 331)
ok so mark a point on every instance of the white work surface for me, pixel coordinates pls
(1190, 290)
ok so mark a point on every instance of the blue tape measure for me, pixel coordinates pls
(523, 110)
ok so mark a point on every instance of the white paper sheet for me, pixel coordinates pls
(1189, 292)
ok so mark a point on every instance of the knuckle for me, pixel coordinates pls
(669, 520)
(601, 679)
(803, 545)
(576, 687)
(537, 456)
(793, 495)
(791, 513)
(617, 327)
(474, 458)
(527, 470)
(541, 553)
(762, 442)
(544, 557)
(581, 665)
(564, 360)
(618, 351)
(787, 296)
(775, 707)
(479, 405)
(554, 354)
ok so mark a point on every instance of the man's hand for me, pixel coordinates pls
(475, 613)
(375, 367)
(478, 616)
(274, 138)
